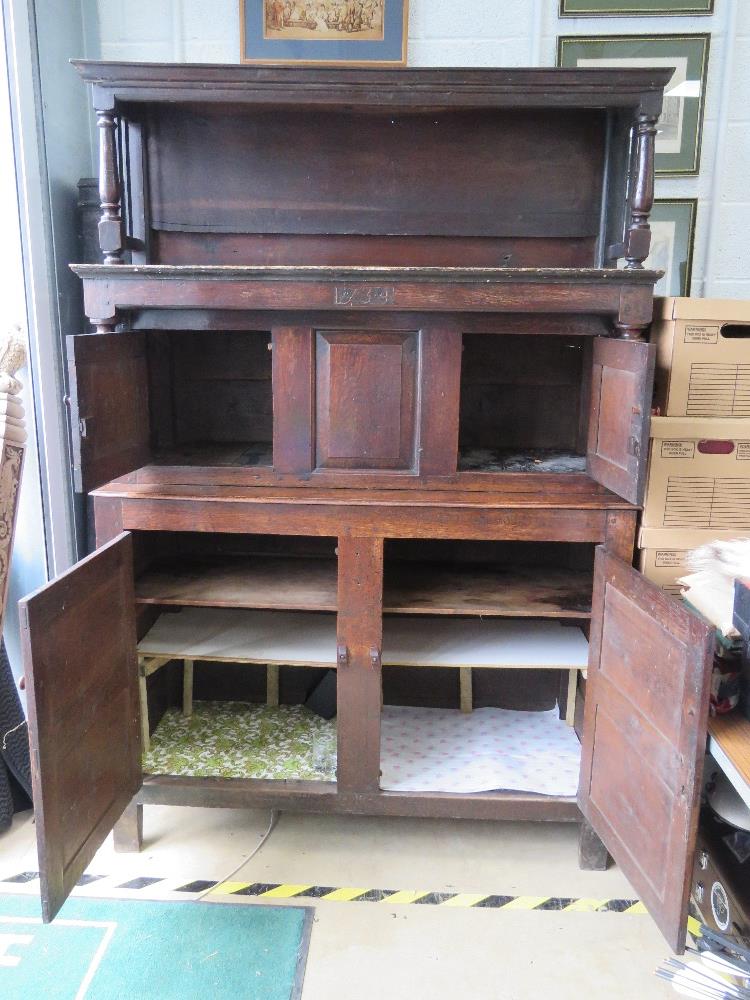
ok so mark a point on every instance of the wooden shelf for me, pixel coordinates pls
(243, 582)
(242, 454)
(309, 639)
(471, 589)
(410, 588)
(530, 460)
(729, 745)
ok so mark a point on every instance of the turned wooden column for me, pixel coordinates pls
(638, 240)
(110, 223)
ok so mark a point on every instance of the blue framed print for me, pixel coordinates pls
(349, 32)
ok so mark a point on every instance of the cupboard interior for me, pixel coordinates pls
(247, 717)
(512, 637)
(523, 401)
(436, 593)
(421, 577)
(390, 186)
(210, 398)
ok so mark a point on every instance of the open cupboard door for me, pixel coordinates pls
(644, 736)
(79, 642)
(108, 378)
(622, 378)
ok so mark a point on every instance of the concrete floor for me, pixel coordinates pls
(373, 951)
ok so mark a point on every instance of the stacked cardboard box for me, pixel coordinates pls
(699, 465)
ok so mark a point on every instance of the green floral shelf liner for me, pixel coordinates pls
(230, 739)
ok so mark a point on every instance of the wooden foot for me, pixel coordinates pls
(272, 684)
(128, 830)
(187, 688)
(143, 697)
(570, 705)
(467, 694)
(592, 854)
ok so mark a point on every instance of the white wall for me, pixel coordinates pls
(52, 147)
(515, 33)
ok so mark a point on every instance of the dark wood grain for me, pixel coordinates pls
(425, 588)
(440, 392)
(620, 407)
(359, 634)
(322, 797)
(523, 524)
(366, 399)
(592, 854)
(179, 247)
(644, 736)
(520, 393)
(80, 664)
(539, 324)
(219, 387)
(110, 223)
(108, 290)
(128, 830)
(107, 519)
(377, 174)
(639, 234)
(334, 86)
(293, 424)
(108, 407)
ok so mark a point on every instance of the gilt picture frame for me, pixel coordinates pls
(634, 8)
(324, 32)
(678, 140)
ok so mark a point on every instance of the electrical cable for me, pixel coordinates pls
(261, 842)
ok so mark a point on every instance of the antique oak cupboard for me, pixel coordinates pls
(362, 348)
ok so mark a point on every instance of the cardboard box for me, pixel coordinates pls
(664, 552)
(702, 357)
(699, 475)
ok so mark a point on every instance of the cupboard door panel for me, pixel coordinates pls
(366, 400)
(79, 642)
(621, 386)
(109, 406)
(644, 735)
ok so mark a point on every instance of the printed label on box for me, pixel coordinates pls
(743, 451)
(669, 557)
(678, 449)
(701, 335)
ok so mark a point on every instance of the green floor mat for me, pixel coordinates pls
(227, 739)
(106, 949)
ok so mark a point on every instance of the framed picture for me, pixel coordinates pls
(672, 235)
(678, 141)
(347, 32)
(625, 8)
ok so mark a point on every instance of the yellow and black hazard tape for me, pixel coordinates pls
(417, 897)
(392, 897)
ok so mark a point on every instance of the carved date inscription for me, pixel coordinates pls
(364, 295)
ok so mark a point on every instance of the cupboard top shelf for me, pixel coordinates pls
(555, 492)
(335, 274)
(365, 87)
